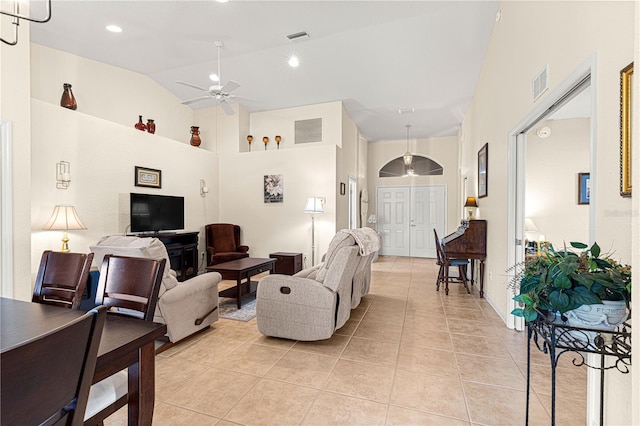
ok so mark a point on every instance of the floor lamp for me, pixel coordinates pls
(313, 206)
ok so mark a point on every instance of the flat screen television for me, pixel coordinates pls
(154, 213)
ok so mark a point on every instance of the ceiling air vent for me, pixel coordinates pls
(298, 36)
(541, 82)
(307, 131)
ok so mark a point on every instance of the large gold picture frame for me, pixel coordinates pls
(626, 84)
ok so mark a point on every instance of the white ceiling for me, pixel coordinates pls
(375, 56)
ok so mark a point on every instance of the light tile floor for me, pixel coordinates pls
(408, 356)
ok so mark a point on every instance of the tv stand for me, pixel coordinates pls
(182, 248)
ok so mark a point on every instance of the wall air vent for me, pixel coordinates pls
(298, 36)
(307, 131)
(541, 83)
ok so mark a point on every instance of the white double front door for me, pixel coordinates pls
(406, 218)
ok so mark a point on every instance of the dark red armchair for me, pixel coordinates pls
(223, 243)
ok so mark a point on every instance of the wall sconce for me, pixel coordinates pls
(15, 14)
(203, 188)
(63, 175)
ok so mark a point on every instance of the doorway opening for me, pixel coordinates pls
(353, 203)
(575, 88)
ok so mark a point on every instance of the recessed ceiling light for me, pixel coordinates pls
(114, 28)
(293, 62)
(214, 77)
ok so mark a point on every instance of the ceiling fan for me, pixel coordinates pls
(222, 94)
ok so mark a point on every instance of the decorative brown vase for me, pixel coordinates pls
(151, 125)
(195, 136)
(140, 125)
(68, 100)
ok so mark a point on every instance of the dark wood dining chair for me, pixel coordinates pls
(445, 263)
(128, 286)
(46, 380)
(62, 278)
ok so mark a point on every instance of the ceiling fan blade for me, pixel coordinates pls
(230, 86)
(192, 85)
(199, 98)
(228, 109)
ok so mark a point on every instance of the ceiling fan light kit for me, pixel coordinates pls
(221, 94)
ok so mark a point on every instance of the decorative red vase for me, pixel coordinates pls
(68, 100)
(140, 125)
(195, 136)
(151, 126)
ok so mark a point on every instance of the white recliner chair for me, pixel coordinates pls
(185, 307)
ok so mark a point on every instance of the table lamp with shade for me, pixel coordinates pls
(471, 203)
(313, 206)
(64, 217)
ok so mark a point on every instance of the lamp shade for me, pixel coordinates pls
(471, 202)
(314, 205)
(64, 218)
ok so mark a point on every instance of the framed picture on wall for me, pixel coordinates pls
(584, 188)
(150, 178)
(273, 189)
(626, 85)
(483, 170)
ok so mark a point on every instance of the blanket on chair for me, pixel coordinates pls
(367, 239)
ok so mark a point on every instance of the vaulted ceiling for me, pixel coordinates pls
(378, 57)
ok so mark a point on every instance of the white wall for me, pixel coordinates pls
(562, 35)
(109, 92)
(14, 107)
(103, 155)
(271, 227)
(513, 58)
(307, 169)
(347, 165)
(552, 171)
(442, 150)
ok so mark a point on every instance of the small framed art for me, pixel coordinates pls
(584, 188)
(151, 178)
(273, 189)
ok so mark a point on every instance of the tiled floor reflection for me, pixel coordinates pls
(408, 356)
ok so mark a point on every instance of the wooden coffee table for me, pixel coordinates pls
(242, 269)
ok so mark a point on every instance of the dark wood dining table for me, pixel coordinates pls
(125, 343)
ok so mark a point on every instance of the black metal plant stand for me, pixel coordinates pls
(555, 339)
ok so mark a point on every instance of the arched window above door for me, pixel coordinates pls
(422, 166)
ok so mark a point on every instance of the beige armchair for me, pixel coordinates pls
(185, 307)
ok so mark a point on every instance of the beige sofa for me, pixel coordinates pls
(316, 302)
(185, 307)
